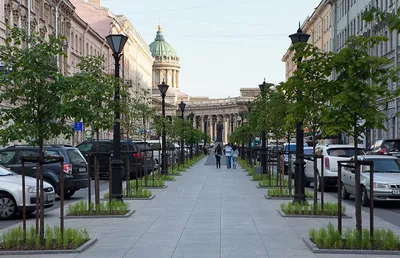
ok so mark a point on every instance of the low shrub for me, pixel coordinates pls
(330, 238)
(330, 209)
(157, 182)
(103, 208)
(13, 239)
(276, 192)
(272, 182)
(140, 193)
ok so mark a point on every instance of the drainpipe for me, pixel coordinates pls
(57, 14)
(29, 20)
(396, 63)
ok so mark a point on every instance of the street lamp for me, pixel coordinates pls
(191, 116)
(163, 88)
(205, 134)
(182, 106)
(117, 43)
(263, 86)
(249, 106)
(299, 196)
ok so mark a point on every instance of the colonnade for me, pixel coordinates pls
(209, 123)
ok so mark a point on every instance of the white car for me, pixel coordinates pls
(386, 179)
(11, 194)
(332, 154)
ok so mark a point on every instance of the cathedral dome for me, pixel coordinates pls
(161, 48)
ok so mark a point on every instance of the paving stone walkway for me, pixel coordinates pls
(206, 213)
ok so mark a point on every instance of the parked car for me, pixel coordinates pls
(286, 149)
(75, 166)
(332, 154)
(11, 194)
(385, 147)
(386, 179)
(138, 161)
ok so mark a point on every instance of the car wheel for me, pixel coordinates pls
(68, 194)
(364, 197)
(8, 207)
(345, 194)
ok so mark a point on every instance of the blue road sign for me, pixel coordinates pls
(78, 126)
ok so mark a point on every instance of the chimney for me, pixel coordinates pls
(95, 2)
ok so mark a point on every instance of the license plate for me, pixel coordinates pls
(396, 191)
(50, 198)
(82, 169)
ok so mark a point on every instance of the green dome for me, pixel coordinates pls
(160, 47)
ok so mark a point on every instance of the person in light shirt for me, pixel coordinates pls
(228, 155)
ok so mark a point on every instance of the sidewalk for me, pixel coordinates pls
(207, 212)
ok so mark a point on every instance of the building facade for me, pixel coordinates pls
(319, 27)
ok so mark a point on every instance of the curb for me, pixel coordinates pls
(283, 198)
(155, 187)
(141, 198)
(312, 216)
(101, 216)
(81, 249)
(313, 247)
(170, 180)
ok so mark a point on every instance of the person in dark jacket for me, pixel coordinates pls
(218, 154)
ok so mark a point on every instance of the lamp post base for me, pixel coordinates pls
(116, 165)
(164, 171)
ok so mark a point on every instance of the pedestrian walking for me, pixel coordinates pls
(228, 155)
(235, 155)
(218, 154)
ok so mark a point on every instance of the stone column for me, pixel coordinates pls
(173, 78)
(212, 128)
(177, 80)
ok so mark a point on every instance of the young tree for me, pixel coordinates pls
(91, 101)
(357, 95)
(312, 79)
(33, 95)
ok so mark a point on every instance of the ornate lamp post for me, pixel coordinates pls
(191, 116)
(182, 106)
(263, 87)
(249, 106)
(205, 134)
(299, 195)
(117, 43)
(163, 88)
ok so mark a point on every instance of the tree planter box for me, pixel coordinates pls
(81, 249)
(282, 198)
(100, 216)
(314, 248)
(139, 198)
(155, 187)
(311, 216)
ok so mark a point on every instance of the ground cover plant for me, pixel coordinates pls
(157, 182)
(276, 192)
(133, 193)
(82, 208)
(330, 209)
(330, 238)
(272, 182)
(14, 240)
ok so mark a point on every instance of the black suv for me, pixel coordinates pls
(75, 166)
(139, 161)
(385, 147)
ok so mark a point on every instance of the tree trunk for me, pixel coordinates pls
(315, 175)
(96, 171)
(357, 180)
(41, 161)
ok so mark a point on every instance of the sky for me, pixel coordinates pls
(223, 45)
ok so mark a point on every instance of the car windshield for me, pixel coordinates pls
(343, 152)
(155, 146)
(384, 166)
(142, 145)
(5, 172)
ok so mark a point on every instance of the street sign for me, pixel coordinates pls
(88, 134)
(78, 126)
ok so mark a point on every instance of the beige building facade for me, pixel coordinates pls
(319, 27)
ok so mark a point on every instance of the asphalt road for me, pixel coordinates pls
(388, 211)
(80, 195)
